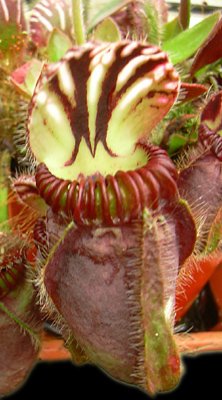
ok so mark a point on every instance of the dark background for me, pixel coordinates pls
(203, 376)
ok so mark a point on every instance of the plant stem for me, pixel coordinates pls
(78, 22)
(53, 349)
(199, 343)
(188, 344)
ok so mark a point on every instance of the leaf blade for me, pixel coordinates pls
(187, 42)
(105, 9)
(107, 31)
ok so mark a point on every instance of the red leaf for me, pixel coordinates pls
(20, 73)
(190, 91)
(211, 125)
(192, 278)
(210, 51)
(213, 109)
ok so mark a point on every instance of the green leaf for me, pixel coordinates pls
(33, 75)
(97, 10)
(176, 141)
(4, 181)
(58, 45)
(153, 22)
(171, 29)
(215, 234)
(3, 203)
(107, 31)
(187, 42)
(25, 77)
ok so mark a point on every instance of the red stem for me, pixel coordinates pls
(188, 343)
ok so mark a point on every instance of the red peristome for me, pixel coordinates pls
(25, 186)
(190, 91)
(40, 235)
(113, 199)
(210, 51)
(25, 197)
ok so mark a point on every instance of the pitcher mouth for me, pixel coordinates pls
(97, 104)
(112, 199)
